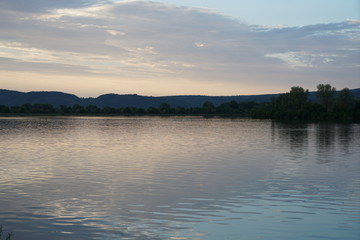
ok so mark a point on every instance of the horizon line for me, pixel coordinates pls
(135, 94)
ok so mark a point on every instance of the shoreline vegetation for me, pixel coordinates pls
(330, 105)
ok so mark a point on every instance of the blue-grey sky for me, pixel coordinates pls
(281, 12)
(228, 47)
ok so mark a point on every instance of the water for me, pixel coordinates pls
(178, 178)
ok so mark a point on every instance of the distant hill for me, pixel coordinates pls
(15, 98)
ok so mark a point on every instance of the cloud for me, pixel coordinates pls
(43, 5)
(149, 40)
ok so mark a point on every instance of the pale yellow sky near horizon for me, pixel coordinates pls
(89, 86)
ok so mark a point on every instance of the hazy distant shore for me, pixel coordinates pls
(296, 105)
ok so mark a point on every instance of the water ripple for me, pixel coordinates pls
(178, 178)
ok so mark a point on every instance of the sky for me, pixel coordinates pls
(174, 47)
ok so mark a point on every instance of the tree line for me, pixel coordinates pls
(208, 108)
(330, 105)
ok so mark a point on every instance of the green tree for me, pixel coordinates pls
(326, 96)
(165, 108)
(109, 110)
(140, 111)
(208, 108)
(195, 110)
(129, 110)
(65, 109)
(78, 109)
(234, 105)
(298, 97)
(246, 107)
(42, 108)
(261, 111)
(152, 110)
(4, 109)
(26, 108)
(291, 105)
(15, 109)
(345, 100)
(225, 108)
(345, 105)
(180, 110)
(356, 111)
(92, 109)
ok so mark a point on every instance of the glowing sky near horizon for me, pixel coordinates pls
(173, 47)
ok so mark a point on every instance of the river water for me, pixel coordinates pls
(178, 178)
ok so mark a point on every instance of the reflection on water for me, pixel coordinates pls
(178, 178)
(292, 136)
(326, 138)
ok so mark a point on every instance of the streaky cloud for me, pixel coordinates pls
(151, 41)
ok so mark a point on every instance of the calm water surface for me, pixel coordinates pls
(178, 178)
